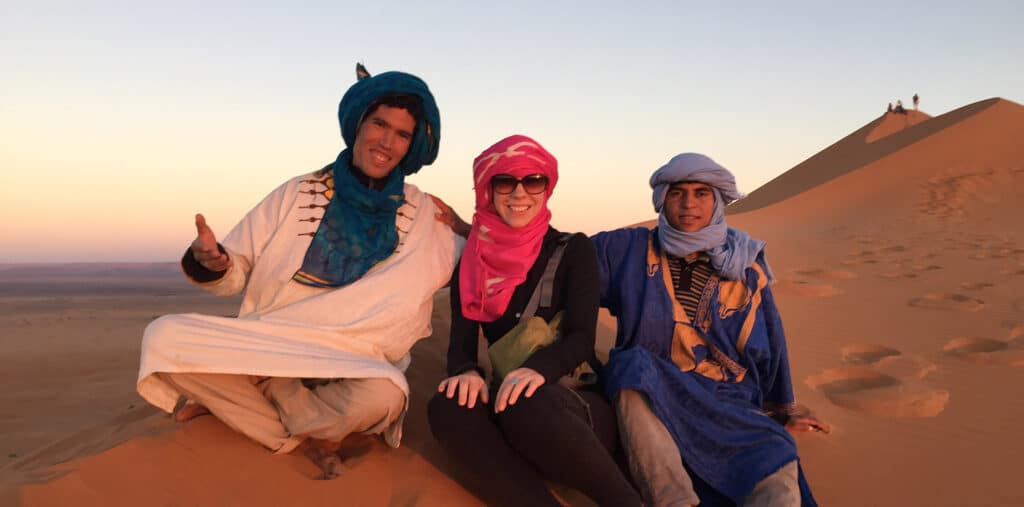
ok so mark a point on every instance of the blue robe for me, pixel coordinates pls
(709, 378)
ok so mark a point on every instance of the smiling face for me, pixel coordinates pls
(382, 141)
(689, 206)
(518, 208)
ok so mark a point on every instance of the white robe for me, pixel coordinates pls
(287, 329)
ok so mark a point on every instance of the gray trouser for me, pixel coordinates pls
(657, 467)
(280, 412)
(333, 409)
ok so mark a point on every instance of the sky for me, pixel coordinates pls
(121, 120)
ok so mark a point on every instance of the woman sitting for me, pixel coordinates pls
(539, 428)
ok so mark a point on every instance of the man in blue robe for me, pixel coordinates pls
(699, 373)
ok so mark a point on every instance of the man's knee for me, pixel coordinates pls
(366, 403)
(161, 328)
(634, 413)
(629, 398)
(382, 397)
(780, 488)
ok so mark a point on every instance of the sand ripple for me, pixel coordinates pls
(947, 301)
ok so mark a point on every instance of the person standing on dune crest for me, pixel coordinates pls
(338, 268)
(700, 374)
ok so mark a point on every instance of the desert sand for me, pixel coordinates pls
(897, 250)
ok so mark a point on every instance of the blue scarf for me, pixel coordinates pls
(358, 227)
(731, 250)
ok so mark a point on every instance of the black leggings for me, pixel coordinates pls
(564, 435)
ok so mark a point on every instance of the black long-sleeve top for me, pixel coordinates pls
(575, 290)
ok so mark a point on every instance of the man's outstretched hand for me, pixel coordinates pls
(807, 423)
(205, 250)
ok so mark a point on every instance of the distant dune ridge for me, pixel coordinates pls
(897, 249)
(881, 137)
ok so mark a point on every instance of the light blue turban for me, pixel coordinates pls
(731, 250)
(693, 167)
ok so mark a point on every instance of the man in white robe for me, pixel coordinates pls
(332, 304)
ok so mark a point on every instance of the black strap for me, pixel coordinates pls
(544, 291)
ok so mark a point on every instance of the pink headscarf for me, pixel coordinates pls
(498, 257)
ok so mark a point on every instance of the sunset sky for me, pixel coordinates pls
(120, 120)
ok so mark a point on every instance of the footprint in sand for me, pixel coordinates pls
(987, 350)
(866, 353)
(906, 367)
(807, 289)
(1018, 305)
(888, 361)
(862, 253)
(895, 249)
(863, 239)
(1017, 336)
(893, 275)
(947, 301)
(967, 345)
(1013, 272)
(856, 262)
(1003, 250)
(825, 274)
(866, 390)
(860, 257)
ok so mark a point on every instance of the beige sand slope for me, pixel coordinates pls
(867, 144)
(897, 250)
(898, 286)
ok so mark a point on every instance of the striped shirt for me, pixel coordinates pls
(689, 277)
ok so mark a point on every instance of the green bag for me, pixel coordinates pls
(532, 332)
(513, 349)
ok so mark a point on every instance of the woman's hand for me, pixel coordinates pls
(446, 215)
(469, 385)
(516, 382)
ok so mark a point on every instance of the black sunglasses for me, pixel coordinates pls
(506, 183)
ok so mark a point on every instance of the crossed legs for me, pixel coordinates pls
(280, 413)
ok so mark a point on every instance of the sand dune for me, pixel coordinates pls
(911, 358)
(885, 135)
(897, 249)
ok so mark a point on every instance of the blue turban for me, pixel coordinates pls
(731, 250)
(358, 227)
(426, 138)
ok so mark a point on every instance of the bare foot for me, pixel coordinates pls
(190, 411)
(324, 455)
